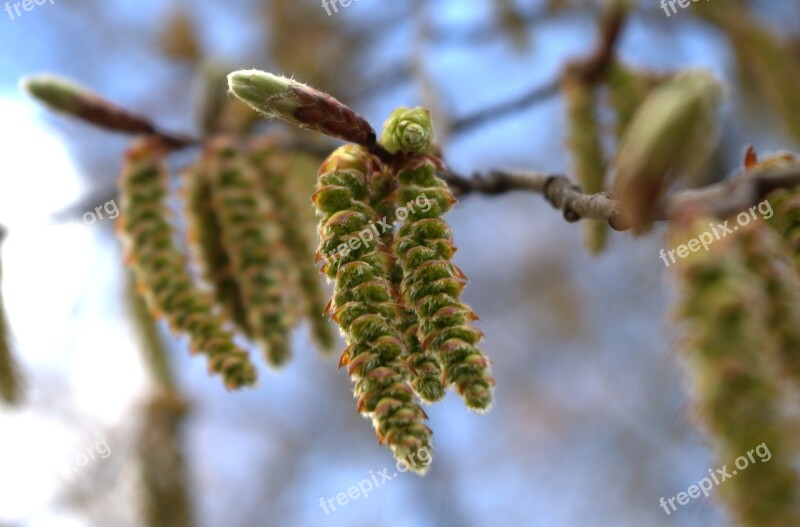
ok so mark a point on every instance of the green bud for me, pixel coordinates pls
(669, 135)
(282, 98)
(408, 130)
(270, 94)
(67, 97)
(58, 94)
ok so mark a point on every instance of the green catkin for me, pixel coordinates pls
(765, 63)
(431, 284)
(724, 307)
(275, 177)
(627, 91)
(204, 232)
(586, 148)
(10, 379)
(253, 244)
(784, 203)
(425, 371)
(364, 306)
(767, 258)
(160, 268)
(786, 220)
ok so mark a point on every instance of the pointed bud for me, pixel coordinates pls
(669, 134)
(300, 105)
(67, 97)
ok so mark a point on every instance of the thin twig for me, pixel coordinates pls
(590, 69)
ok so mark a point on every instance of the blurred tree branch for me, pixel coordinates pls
(589, 69)
(720, 199)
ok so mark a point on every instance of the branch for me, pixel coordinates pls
(722, 199)
(590, 69)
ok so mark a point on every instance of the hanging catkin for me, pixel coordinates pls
(724, 309)
(432, 283)
(160, 267)
(275, 176)
(363, 305)
(252, 241)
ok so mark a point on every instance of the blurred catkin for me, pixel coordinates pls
(10, 376)
(178, 38)
(252, 241)
(364, 306)
(206, 247)
(724, 309)
(786, 220)
(785, 203)
(164, 490)
(627, 90)
(276, 178)
(160, 267)
(765, 63)
(766, 257)
(586, 149)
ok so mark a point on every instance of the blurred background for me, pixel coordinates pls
(591, 424)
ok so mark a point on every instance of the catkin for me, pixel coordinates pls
(627, 90)
(727, 347)
(586, 149)
(275, 178)
(432, 285)
(765, 256)
(363, 305)
(252, 241)
(766, 64)
(786, 220)
(425, 370)
(160, 268)
(204, 232)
